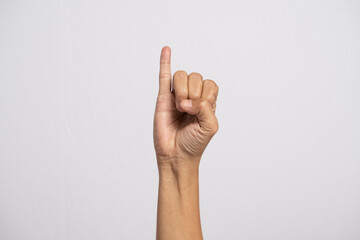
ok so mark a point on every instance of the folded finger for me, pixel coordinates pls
(180, 87)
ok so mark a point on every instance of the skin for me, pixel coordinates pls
(184, 123)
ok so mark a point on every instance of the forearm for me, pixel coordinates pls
(178, 202)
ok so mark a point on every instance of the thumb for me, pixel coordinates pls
(203, 111)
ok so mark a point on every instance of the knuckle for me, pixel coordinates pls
(195, 75)
(180, 73)
(210, 83)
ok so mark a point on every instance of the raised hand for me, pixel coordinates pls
(184, 120)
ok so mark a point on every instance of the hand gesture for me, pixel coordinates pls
(184, 120)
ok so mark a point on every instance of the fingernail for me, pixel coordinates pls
(187, 103)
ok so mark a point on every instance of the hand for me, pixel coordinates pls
(184, 120)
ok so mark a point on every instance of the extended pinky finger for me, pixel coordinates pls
(165, 70)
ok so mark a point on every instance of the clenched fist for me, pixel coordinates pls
(184, 120)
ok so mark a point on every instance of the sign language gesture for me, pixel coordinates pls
(184, 120)
(184, 123)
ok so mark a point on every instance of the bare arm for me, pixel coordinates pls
(184, 123)
(178, 205)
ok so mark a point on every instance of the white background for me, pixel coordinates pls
(78, 84)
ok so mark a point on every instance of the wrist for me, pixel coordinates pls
(177, 164)
(178, 170)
